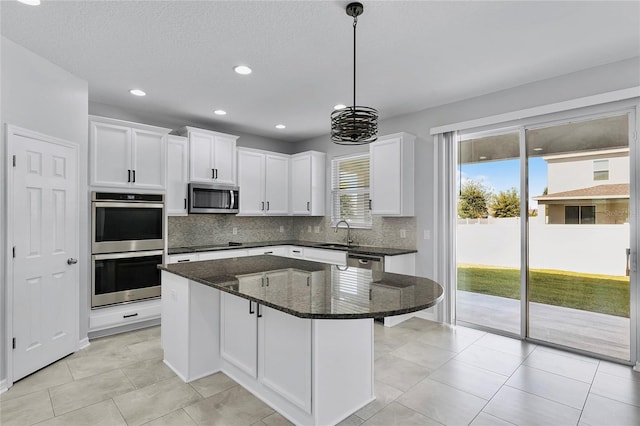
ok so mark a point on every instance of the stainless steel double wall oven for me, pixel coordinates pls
(127, 242)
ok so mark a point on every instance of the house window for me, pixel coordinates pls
(583, 215)
(601, 170)
(350, 190)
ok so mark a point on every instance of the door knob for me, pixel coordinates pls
(72, 261)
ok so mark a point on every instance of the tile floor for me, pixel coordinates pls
(426, 374)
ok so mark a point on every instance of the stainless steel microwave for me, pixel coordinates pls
(207, 198)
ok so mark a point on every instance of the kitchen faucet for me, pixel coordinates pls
(349, 240)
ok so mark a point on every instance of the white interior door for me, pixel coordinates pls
(44, 232)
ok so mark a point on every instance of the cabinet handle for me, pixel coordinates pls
(296, 251)
(134, 175)
(307, 206)
(259, 314)
(370, 292)
(130, 315)
(262, 282)
(370, 204)
(185, 203)
(268, 252)
(267, 206)
(213, 174)
(251, 311)
(308, 281)
(216, 173)
(129, 175)
(267, 281)
(262, 208)
(184, 260)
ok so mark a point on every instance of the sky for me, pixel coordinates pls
(505, 174)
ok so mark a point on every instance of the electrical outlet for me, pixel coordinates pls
(403, 233)
(427, 234)
(316, 229)
(235, 231)
(309, 228)
(281, 228)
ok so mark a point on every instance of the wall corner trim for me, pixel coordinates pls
(83, 343)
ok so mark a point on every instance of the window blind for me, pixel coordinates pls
(350, 190)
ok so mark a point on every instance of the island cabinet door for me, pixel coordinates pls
(284, 355)
(238, 333)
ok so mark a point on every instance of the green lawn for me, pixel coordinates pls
(595, 293)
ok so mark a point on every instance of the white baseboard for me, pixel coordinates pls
(83, 343)
(425, 314)
(3, 386)
(637, 366)
(397, 319)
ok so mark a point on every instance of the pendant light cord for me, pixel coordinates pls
(355, 23)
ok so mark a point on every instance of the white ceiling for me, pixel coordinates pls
(411, 55)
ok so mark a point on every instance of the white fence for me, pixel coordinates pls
(594, 249)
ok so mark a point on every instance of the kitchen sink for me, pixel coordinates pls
(335, 245)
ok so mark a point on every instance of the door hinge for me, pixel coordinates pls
(13, 342)
(14, 251)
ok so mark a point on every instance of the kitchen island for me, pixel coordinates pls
(297, 334)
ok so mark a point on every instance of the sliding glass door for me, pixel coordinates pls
(488, 231)
(570, 182)
(578, 291)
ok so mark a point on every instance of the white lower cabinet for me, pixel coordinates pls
(273, 250)
(181, 258)
(269, 345)
(313, 371)
(333, 257)
(284, 355)
(125, 314)
(190, 324)
(221, 254)
(239, 333)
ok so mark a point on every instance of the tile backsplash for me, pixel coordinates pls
(210, 229)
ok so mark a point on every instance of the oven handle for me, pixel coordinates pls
(233, 198)
(132, 204)
(127, 254)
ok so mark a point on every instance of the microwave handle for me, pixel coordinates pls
(233, 199)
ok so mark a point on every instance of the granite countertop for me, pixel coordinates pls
(370, 250)
(313, 290)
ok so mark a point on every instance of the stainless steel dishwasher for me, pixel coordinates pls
(366, 261)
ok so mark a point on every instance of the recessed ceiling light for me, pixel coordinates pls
(482, 157)
(137, 92)
(339, 106)
(220, 112)
(242, 69)
(280, 126)
(30, 2)
(537, 149)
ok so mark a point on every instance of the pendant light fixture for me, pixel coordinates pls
(354, 125)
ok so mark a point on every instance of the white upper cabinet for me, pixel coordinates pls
(177, 175)
(392, 175)
(212, 156)
(126, 155)
(263, 178)
(276, 189)
(308, 183)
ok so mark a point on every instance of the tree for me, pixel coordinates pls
(506, 204)
(473, 200)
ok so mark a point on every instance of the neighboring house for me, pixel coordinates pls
(587, 188)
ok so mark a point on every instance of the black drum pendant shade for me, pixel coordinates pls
(354, 125)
